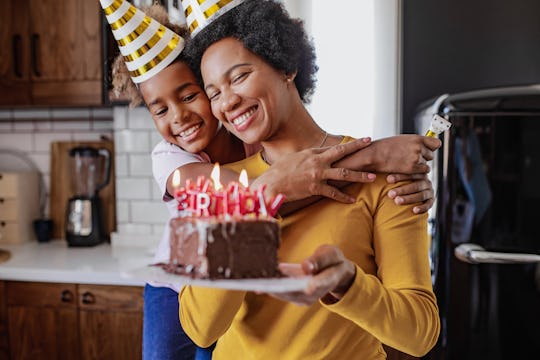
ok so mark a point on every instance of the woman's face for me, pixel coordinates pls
(180, 108)
(249, 96)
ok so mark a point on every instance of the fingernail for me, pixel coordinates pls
(390, 179)
(371, 176)
(366, 139)
(416, 210)
(392, 194)
(398, 200)
(351, 200)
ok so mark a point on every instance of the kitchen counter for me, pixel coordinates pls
(56, 262)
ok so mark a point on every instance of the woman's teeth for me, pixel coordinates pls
(190, 131)
(242, 118)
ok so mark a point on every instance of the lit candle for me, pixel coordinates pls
(221, 205)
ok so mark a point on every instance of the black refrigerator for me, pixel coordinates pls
(485, 243)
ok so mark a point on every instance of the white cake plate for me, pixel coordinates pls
(273, 285)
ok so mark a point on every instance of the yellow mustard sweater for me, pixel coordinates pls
(391, 300)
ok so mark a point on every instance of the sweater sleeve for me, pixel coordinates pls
(398, 305)
(206, 314)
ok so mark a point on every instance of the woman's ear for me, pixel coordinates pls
(290, 77)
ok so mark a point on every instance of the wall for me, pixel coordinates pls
(30, 133)
(140, 213)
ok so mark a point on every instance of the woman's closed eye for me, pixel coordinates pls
(239, 77)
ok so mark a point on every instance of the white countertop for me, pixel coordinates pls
(54, 261)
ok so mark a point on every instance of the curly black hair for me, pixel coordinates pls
(266, 29)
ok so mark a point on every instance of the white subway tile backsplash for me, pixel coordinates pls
(71, 114)
(127, 141)
(18, 141)
(137, 229)
(43, 140)
(23, 126)
(122, 211)
(102, 113)
(6, 126)
(6, 114)
(43, 125)
(153, 212)
(91, 136)
(133, 189)
(155, 138)
(120, 117)
(71, 125)
(32, 114)
(102, 125)
(139, 118)
(156, 192)
(139, 164)
(121, 165)
(42, 161)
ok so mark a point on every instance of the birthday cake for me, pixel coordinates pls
(229, 233)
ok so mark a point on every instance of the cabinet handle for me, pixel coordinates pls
(88, 298)
(17, 55)
(67, 296)
(34, 52)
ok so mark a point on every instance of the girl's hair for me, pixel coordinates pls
(266, 29)
(121, 80)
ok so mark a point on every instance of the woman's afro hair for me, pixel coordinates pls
(266, 29)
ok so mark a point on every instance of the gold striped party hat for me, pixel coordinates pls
(146, 45)
(200, 13)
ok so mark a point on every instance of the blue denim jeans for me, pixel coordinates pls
(163, 336)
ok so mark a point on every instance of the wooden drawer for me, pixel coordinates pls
(110, 298)
(20, 293)
(8, 209)
(10, 233)
(8, 185)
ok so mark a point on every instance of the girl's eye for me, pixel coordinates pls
(160, 111)
(189, 97)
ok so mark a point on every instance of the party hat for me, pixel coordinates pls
(200, 13)
(147, 46)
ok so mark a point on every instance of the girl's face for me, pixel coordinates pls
(180, 108)
(249, 96)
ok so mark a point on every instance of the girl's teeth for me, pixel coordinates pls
(239, 120)
(189, 131)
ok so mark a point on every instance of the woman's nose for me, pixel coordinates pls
(229, 101)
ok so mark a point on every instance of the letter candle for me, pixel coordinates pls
(437, 126)
(203, 200)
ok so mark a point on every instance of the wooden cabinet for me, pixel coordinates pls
(51, 53)
(69, 321)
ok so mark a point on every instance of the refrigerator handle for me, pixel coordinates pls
(475, 254)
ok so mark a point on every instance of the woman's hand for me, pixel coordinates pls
(420, 190)
(305, 173)
(332, 276)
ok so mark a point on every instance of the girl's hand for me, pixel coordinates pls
(332, 276)
(305, 173)
(420, 190)
(404, 154)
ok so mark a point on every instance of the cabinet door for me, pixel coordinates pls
(42, 320)
(14, 61)
(65, 52)
(110, 322)
(4, 345)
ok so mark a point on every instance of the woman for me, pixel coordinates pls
(370, 274)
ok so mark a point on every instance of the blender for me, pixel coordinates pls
(90, 169)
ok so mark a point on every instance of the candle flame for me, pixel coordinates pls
(243, 178)
(176, 178)
(215, 175)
